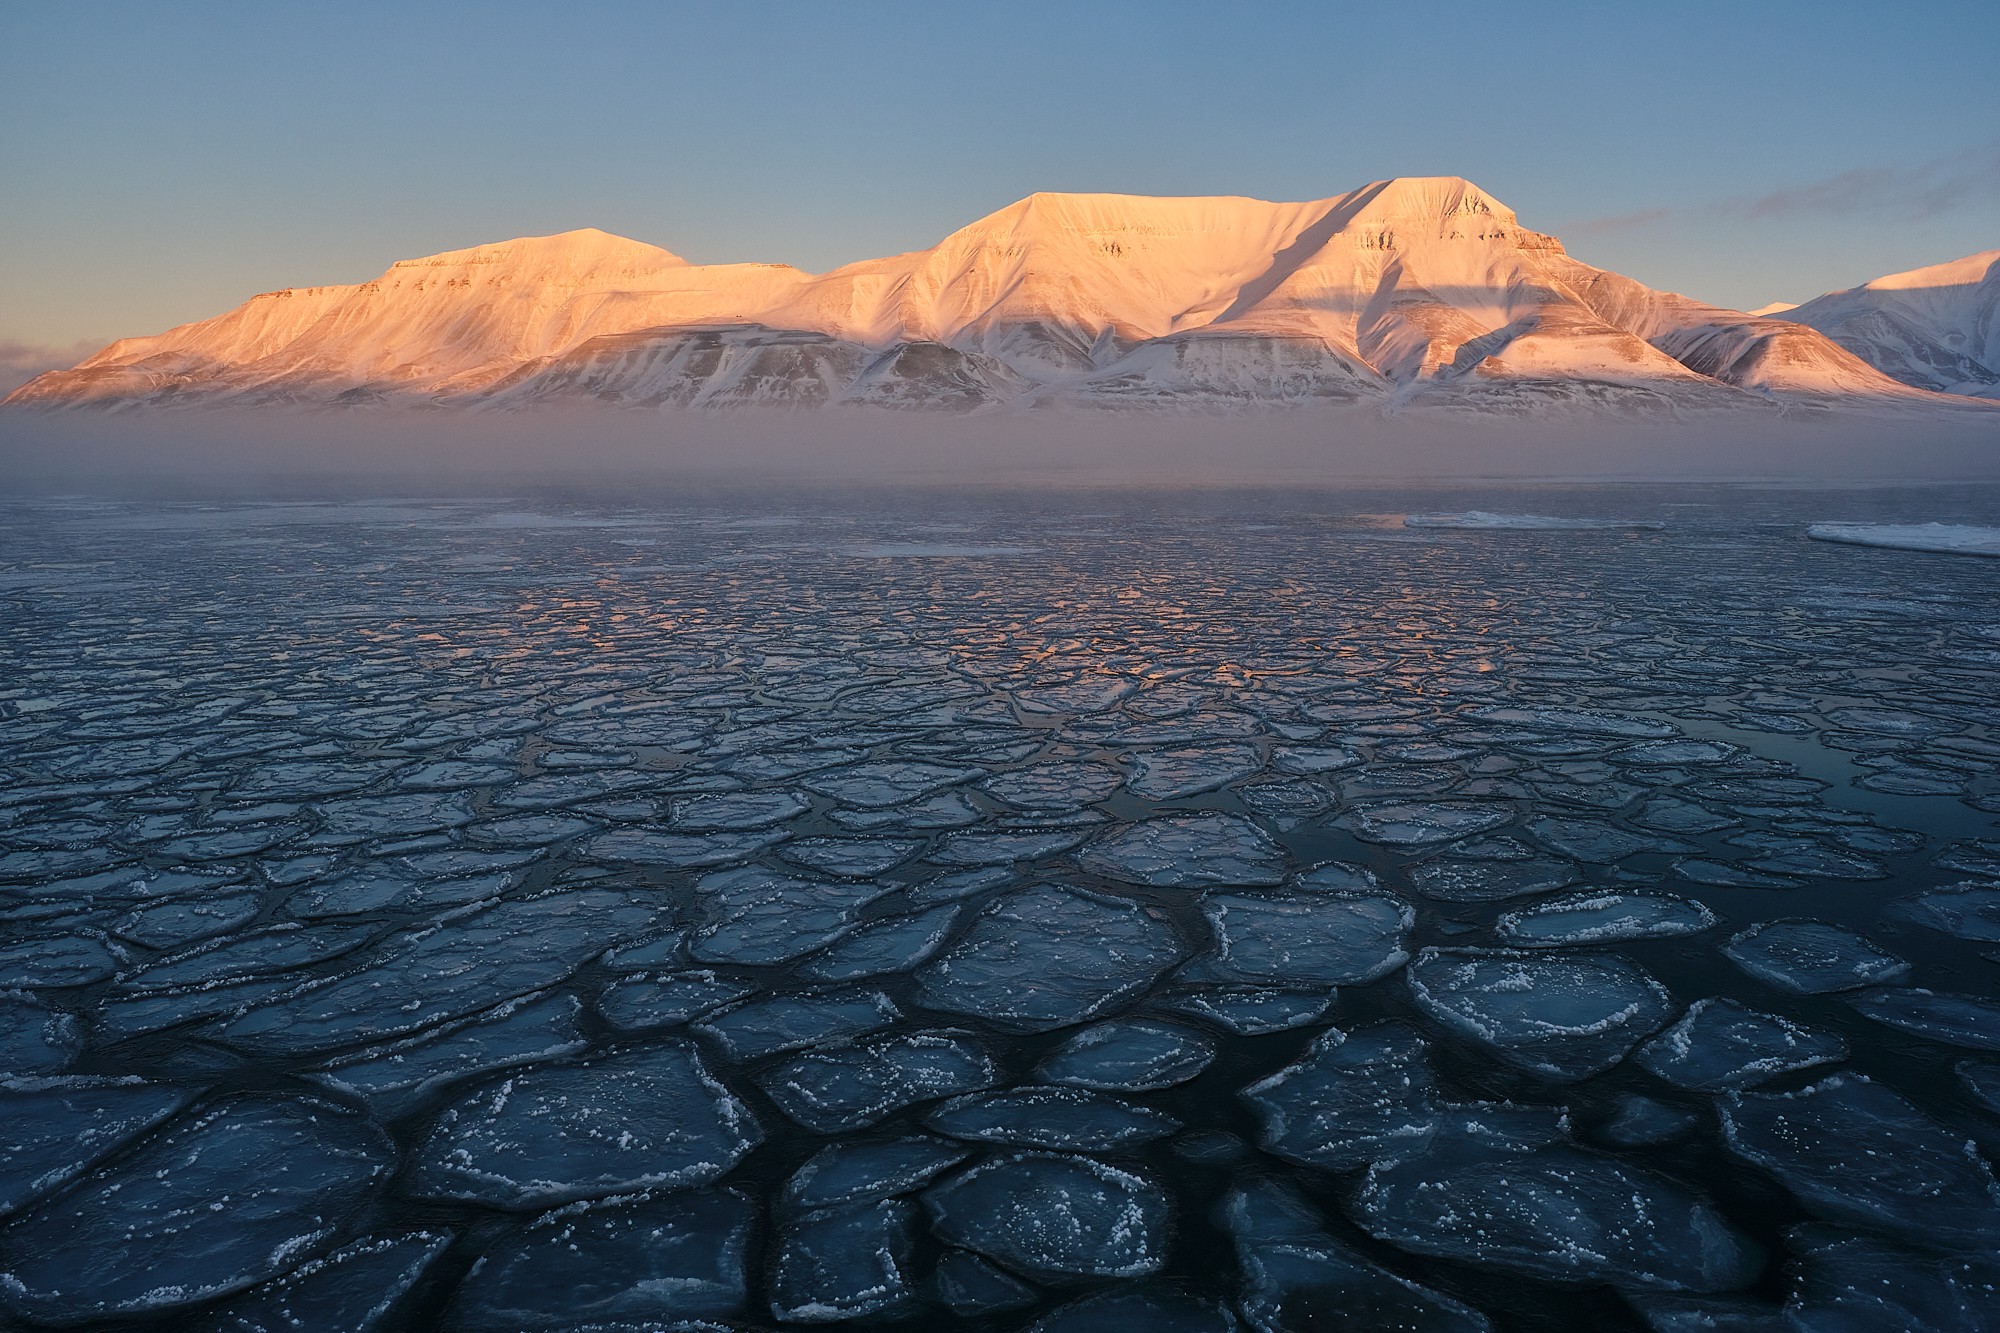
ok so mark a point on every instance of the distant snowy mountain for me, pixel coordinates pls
(1934, 328)
(1417, 292)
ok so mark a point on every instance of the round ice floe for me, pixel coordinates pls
(1425, 824)
(1560, 1016)
(1071, 1119)
(1843, 1283)
(1056, 785)
(1854, 1151)
(1129, 1056)
(774, 1024)
(752, 917)
(1720, 1045)
(1970, 911)
(653, 1118)
(844, 1172)
(1297, 1277)
(35, 1038)
(50, 1135)
(429, 976)
(873, 786)
(1552, 1211)
(663, 1259)
(1306, 940)
(889, 944)
(1454, 879)
(1049, 956)
(1602, 918)
(1050, 1216)
(1187, 770)
(1249, 1011)
(831, 1092)
(1201, 850)
(844, 1263)
(361, 1286)
(1956, 1020)
(1350, 1101)
(1811, 957)
(218, 1203)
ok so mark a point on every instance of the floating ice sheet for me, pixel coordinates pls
(220, 1202)
(1956, 1020)
(1560, 1016)
(1602, 918)
(1944, 538)
(1479, 520)
(1720, 1045)
(1349, 1101)
(1854, 1151)
(644, 1119)
(1070, 1119)
(1812, 957)
(1051, 1216)
(1046, 957)
(1131, 1055)
(1552, 1211)
(665, 1259)
(1187, 851)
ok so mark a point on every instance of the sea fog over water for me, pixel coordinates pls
(261, 453)
(1099, 907)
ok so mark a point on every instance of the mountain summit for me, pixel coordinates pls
(1414, 291)
(1931, 328)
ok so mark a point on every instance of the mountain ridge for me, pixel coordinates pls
(1935, 327)
(1414, 291)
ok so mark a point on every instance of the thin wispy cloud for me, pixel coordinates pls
(1645, 217)
(1910, 193)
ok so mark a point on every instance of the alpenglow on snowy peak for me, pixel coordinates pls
(1413, 292)
(1933, 328)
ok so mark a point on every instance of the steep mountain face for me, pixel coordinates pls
(1932, 328)
(1411, 292)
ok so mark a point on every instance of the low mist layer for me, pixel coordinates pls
(276, 451)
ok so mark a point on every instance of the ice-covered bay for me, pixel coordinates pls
(1201, 915)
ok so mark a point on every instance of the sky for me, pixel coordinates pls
(161, 162)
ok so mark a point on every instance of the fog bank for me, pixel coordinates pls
(275, 451)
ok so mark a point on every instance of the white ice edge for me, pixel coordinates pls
(1944, 538)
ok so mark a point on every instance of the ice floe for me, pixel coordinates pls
(1048, 956)
(1053, 1216)
(1563, 1016)
(242, 1192)
(1855, 1151)
(644, 1119)
(1944, 538)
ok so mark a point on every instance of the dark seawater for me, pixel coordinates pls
(421, 914)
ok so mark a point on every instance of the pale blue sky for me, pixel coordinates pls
(161, 162)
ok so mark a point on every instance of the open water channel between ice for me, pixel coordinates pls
(1159, 912)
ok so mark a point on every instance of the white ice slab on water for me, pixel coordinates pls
(1055, 1216)
(220, 1202)
(1943, 538)
(1480, 520)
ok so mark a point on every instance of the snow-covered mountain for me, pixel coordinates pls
(1934, 328)
(1411, 292)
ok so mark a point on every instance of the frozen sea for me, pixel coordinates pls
(1179, 911)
